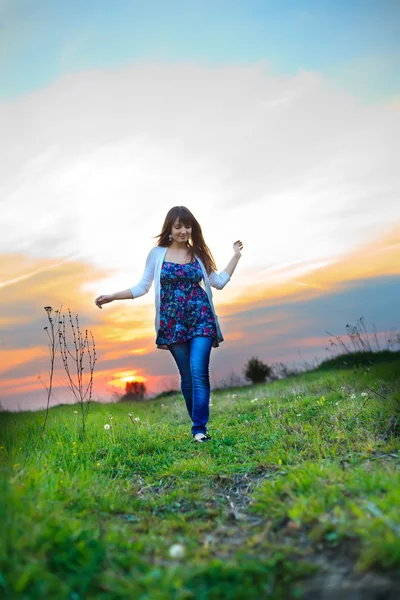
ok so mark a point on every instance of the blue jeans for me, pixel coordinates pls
(192, 358)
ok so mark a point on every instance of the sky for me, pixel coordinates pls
(276, 123)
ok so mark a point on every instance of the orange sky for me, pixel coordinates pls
(121, 334)
(377, 258)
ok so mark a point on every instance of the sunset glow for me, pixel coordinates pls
(294, 153)
(121, 379)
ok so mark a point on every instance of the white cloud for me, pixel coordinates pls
(292, 166)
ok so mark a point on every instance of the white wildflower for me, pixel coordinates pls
(177, 551)
(107, 426)
(353, 396)
(364, 394)
(137, 419)
(254, 400)
(75, 412)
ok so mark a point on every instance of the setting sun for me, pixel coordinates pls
(121, 379)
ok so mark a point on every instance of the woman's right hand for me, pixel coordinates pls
(103, 300)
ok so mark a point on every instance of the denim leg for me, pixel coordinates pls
(200, 350)
(181, 353)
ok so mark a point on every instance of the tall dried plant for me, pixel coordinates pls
(82, 347)
(53, 335)
(359, 340)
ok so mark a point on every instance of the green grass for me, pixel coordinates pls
(296, 469)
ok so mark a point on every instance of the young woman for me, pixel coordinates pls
(184, 270)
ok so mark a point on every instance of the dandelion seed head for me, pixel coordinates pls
(107, 426)
(177, 551)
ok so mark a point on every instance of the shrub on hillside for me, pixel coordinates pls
(256, 371)
(134, 390)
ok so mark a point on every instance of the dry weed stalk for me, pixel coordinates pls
(359, 339)
(81, 346)
(53, 336)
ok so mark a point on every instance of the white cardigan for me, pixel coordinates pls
(152, 271)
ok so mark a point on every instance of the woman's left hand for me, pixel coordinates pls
(237, 247)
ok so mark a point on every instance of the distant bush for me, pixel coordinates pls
(134, 390)
(256, 371)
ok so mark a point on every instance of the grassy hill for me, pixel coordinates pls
(297, 495)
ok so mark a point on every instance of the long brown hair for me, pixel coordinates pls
(196, 245)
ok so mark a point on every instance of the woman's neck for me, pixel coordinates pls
(176, 246)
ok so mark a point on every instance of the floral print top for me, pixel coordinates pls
(185, 310)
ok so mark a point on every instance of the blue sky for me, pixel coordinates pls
(353, 41)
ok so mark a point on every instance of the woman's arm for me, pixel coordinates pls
(124, 295)
(135, 291)
(220, 280)
(106, 298)
(144, 284)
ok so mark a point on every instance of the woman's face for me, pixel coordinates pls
(180, 233)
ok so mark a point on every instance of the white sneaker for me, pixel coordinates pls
(201, 437)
